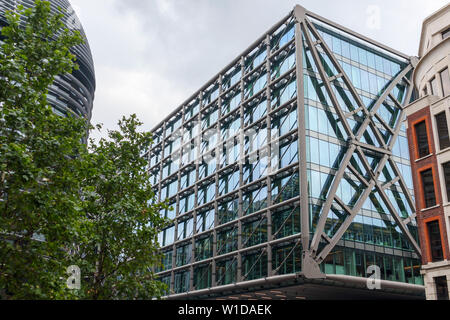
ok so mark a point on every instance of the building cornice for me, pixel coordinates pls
(426, 22)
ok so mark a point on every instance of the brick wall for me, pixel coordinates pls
(417, 166)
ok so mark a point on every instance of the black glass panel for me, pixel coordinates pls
(422, 139)
(442, 128)
(428, 188)
(434, 235)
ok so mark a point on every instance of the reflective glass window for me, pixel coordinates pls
(202, 277)
(183, 255)
(203, 248)
(434, 238)
(445, 81)
(254, 233)
(442, 129)
(226, 272)
(446, 167)
(228, 211)
(227, 241)
(286, 188)
(429, 193)
(254, 201)
(422, 139)
(182, 281)
(346, 49)
(254, 265)
(205, 221)
(434, 87)
(354, 53)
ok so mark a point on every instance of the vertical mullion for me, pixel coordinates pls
(269, 158)
(241, 172)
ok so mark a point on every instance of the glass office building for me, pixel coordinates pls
(70, 93)
(292, 162)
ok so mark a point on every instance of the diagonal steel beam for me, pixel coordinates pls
(399, 220)
(368, 122)
(324, 77)
(338, 235)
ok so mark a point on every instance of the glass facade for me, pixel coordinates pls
(231, 166)
(373, 227)
(70, 93)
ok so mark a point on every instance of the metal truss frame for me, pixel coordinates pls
(316, 248)
(312, 255)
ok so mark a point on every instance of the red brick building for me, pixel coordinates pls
(428, 122)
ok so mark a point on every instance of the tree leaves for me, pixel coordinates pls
(117, 193)
(62, 203)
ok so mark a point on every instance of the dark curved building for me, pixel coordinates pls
(70, 92)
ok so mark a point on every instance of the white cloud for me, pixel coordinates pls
(151, 55)
(167, 8)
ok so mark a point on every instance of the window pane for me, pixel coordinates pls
(446, 34)
(441, 288)
(345, 49)
(442, 128)
(434, 87)
(422, 139)
(434, 235)
(447, 178)
(445, 79)
(428, 188)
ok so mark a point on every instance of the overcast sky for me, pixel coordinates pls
(151, 55)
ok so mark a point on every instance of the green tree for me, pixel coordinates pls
(124, 219)
(39, 182)
(62, 203)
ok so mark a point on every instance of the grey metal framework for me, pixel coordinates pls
(253, 238)
(70, 93)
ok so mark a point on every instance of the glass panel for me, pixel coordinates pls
(441, 287)
(434, 87)
(166, 262)
(183, 255)
(231, 103)
(428, 188)
(254, 266)
(285, 188)
(203, 248)
(445, 34)
(255, 201)
(226, 272)
(254, 233)
(446, 167)
(227, 241)
(442, 128)
(228, 211)
(422, 139)
(202, 277)
(254, 87)
(182, 280)
(345, 49)
(287, 260)
(169, 236)
(445, 80)
(205, 221)
(434, 237)
(286, 223)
